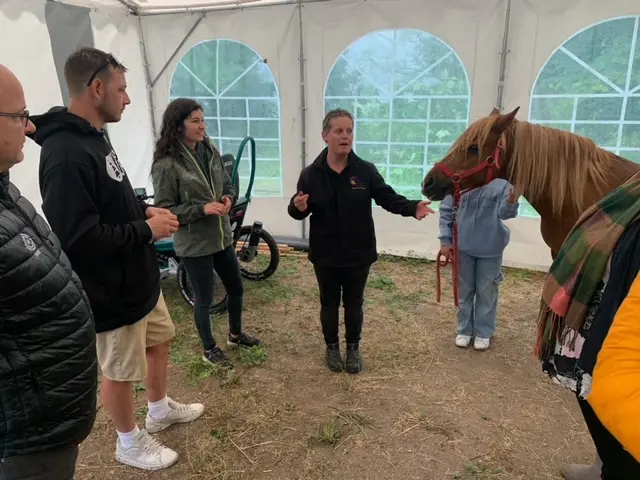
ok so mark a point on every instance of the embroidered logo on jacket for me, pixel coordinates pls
(114, 169)
(28, 242)
(356, 184)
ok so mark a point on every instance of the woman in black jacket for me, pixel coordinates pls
(337, 190)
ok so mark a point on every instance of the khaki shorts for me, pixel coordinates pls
(122, 352)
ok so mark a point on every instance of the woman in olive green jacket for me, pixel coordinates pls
(190, 180)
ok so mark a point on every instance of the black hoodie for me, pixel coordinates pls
(92, 208)
(342, 232)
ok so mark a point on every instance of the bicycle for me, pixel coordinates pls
(260, 241)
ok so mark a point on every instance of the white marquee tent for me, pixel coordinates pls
(414, 72)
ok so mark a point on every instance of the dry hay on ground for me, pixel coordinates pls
(423, 409)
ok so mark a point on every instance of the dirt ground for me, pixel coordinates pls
(422, 409)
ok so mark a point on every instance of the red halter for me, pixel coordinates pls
(492, 165)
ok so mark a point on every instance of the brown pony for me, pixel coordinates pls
(558, 172)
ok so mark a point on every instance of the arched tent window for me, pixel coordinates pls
(409, 94)
(239, 95)
(591, 86)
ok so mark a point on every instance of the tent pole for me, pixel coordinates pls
(303, 107)
(175, 52)
(172, 10)
(130, 6)
(503, 58)
(147, 73)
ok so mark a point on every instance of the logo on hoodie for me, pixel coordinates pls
(114, 169)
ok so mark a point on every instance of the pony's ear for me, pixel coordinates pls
(503, 122)
(495, 111)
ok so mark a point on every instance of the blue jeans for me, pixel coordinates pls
(479, 279)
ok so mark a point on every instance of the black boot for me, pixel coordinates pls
(334, 359)
(354, 360)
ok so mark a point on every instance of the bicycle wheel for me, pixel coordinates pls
(266, 260)
(219, 304)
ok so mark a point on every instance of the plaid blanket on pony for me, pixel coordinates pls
(576, 281)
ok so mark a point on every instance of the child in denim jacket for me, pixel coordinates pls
(482, 238)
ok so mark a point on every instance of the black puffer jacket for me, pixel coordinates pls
(48, 367)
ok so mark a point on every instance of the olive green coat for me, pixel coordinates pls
(180, 185)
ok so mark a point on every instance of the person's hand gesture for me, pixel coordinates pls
(422, 210)
(300, 201)
(153, 211)
(514, 195)
(215, 208)
(226, 201)
(163, 225)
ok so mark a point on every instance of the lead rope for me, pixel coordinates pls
(492, 163)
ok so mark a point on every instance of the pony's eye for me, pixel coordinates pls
(473, 149)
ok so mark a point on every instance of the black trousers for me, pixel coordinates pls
(59, 464)
(200, 272)
(346, 283)
(617, 463)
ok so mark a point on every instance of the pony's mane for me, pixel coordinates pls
(546, 161)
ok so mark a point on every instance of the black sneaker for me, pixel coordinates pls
(243, 340)
(333, 358)
(354, 360)
(216, 356)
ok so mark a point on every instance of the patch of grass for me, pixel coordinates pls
(288, 266)
(142, 411)
(382, 282)
(271, 290)
(198, 370)
(254, 356)
(479, 469)
(329, 432)
(138, 387)
(220, 434)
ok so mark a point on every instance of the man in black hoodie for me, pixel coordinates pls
(48, 367)
(108, 235)
(337, 190)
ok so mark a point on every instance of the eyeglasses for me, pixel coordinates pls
(24, 116)
(110, 61)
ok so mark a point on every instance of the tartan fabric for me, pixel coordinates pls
(580, 266)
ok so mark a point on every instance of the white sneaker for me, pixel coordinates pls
(481, 343)
(147, 453)
(180, 413)
(463, 341)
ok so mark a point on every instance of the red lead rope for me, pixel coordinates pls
(492, 164)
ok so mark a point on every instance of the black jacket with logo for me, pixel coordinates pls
(92, 208)
(342, 232)
(48, 366)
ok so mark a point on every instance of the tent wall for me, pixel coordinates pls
(273, 33)
(473, 29)
(23, 24)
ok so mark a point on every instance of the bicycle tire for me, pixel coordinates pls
(265, 237)
(186, 290)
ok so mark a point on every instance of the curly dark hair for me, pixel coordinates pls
(168, 145)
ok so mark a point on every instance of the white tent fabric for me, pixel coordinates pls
(156, 34)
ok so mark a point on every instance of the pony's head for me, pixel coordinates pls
(482, 140)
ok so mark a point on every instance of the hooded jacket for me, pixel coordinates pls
(342, 232)
(184, 186)
(48, 367)
(92, 208)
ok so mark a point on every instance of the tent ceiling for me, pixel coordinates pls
(158, 6)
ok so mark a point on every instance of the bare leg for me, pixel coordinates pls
(156, 381)
(117, 398)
